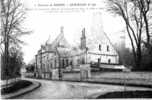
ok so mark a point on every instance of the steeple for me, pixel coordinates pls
(62, 30)
(83, 33)
(83, 39)
(60, 40)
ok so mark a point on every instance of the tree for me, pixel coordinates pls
(135, 15)
(30, 68)
(125, 56)
(12, 16)
(16, 61)
(144, 6)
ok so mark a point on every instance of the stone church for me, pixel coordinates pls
(60, 54)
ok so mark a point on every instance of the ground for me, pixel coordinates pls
(69, 90)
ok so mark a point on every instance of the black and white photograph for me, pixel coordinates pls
(76, 49)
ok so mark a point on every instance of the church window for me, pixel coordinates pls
(71, 62)
(67, 62)
(99, 60)
(99, 47)
(109, 61)
(62, 62)
(107, 47)
(51, 65)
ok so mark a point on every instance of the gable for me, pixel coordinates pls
(102, 46)
(99, 37)
(60, 41)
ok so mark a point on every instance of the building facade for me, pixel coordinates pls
(60, 55)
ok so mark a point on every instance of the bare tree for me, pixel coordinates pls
(12, 16)
(145, 9)
(134, 14)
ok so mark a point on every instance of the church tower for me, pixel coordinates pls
(83, 40)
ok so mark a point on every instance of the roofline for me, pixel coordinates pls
(110, 42)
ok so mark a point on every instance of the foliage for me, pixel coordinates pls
(12, 16)
(136, 15)
(147, 59)
(126, 58)
(30, 68)
(16, 86)
(15, 63)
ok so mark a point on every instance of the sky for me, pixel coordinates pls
(45, 17)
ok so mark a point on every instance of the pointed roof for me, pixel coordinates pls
(98, 35)
(60, 40)
(83, 33)
(48, 40)
(103, 40)
(108, 39)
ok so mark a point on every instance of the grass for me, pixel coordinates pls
(15, 87)
(127, 94)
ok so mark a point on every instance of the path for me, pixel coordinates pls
(68, 90)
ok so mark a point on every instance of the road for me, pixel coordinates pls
(70, 90)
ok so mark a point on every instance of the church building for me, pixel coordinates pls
(60, 54)
(99, 50)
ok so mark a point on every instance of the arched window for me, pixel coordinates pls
(67, 62)
(62, 63)
(109, 61)
(71, 63)
(99, 47)
(107, 47)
